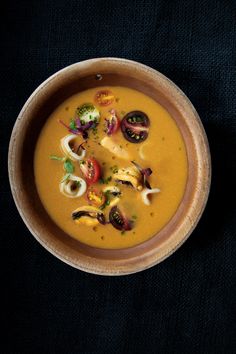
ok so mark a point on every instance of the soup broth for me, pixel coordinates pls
(102, 197)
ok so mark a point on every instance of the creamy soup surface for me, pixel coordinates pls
(135, 216)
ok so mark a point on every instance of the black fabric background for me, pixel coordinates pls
(187, 303)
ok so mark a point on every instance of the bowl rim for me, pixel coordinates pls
(190, 220)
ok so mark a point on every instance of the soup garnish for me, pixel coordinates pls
(135, 127)
(110, 169)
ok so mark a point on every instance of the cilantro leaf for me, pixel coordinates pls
(68, 166)
(58, 158)
(65, 177)
(72, 124)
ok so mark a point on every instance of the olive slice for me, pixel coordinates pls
(118, 219)
(135, 126)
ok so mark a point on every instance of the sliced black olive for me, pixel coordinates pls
(135, 126)
(118, 219)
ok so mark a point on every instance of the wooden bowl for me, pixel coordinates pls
(78, 77)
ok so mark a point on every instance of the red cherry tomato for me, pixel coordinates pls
(104, 97)
(112, 123)
(91, 170)
(95, 197)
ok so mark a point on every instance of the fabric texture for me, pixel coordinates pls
(186, 304)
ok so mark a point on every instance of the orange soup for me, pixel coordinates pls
(110, 167)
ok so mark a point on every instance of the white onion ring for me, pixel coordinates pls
(67, 149)
(146, 192)
(65, 187)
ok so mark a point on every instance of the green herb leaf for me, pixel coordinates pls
(65, 177)
(134, 217)
(68, 166)
(54, 157)
(72, 124)
(107, 194)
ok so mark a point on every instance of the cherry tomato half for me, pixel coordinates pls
(91, 170)
(135, 126)
(104, 97)
(119, 219)
(112, 122)
(95, 197)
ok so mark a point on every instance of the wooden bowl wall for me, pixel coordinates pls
(40, 105)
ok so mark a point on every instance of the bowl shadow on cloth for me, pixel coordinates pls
(219, 211)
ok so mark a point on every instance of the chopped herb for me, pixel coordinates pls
(107, 193)
(68, 166)
(122, 232)
(102, 207)
(54, 157)
(117, 99)
(134, 217)
(72, 124)
(107, 202)
(78, 184)
(95, 131)
(65, 178)
(114, 169)
(105, 180)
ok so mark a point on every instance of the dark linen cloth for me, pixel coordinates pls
(185, 304)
